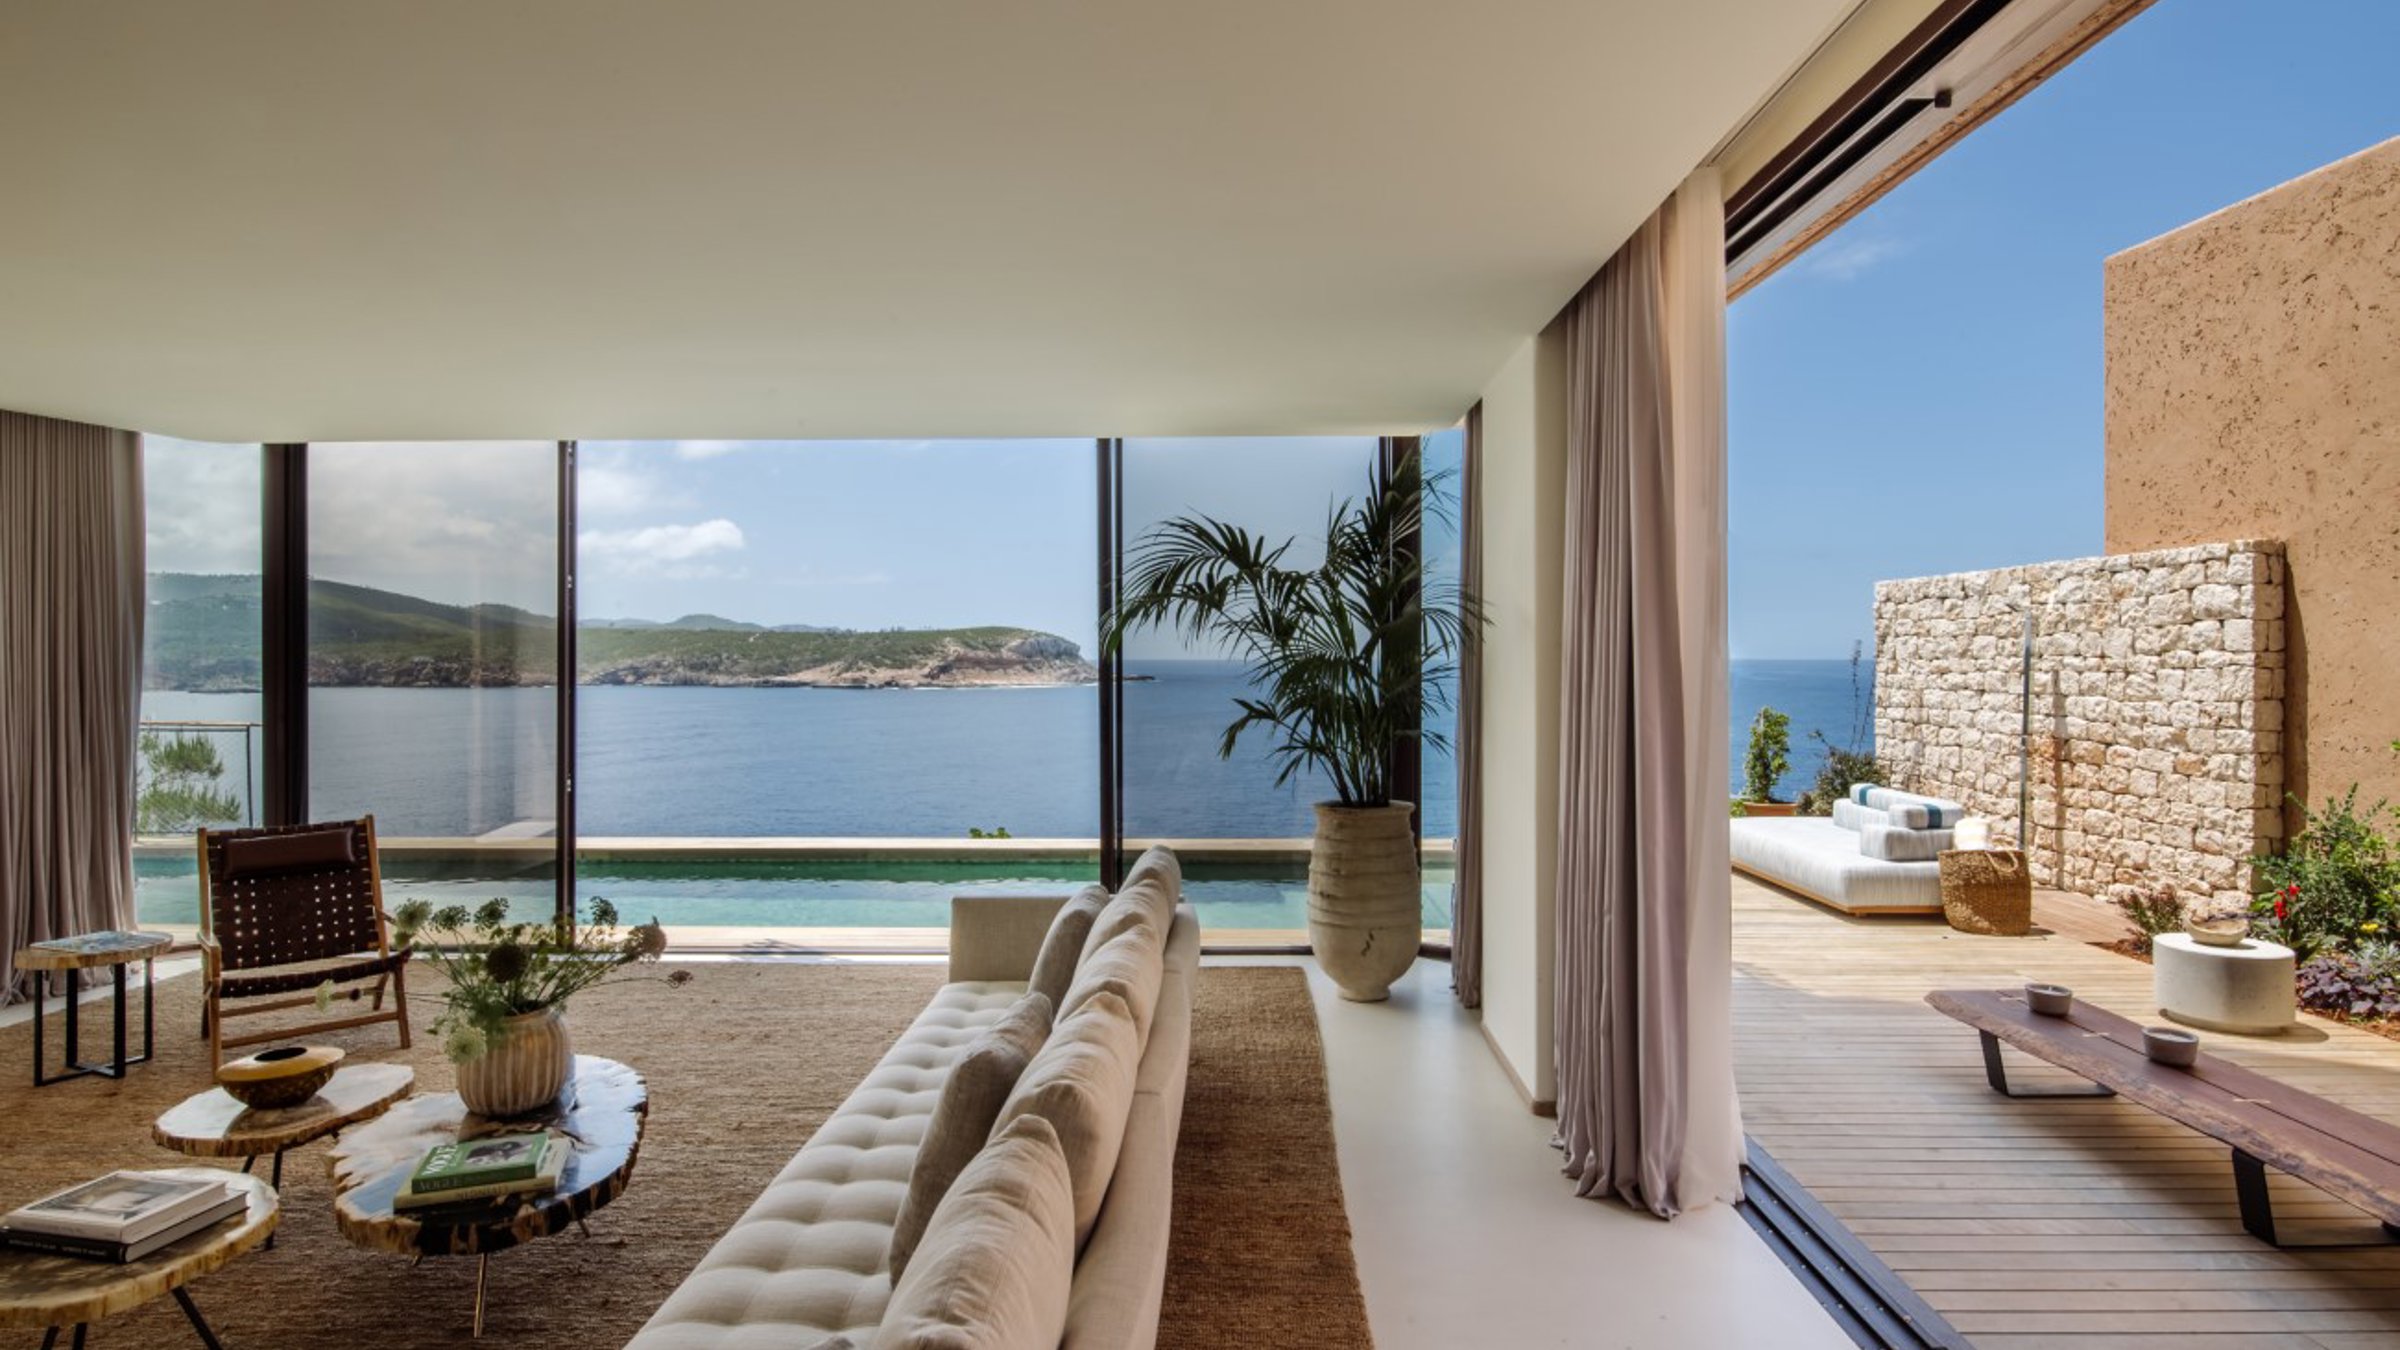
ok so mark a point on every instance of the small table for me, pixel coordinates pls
(75, 955)
(51, 1292)
(601, 1115)
(2246, 988)
(214, 1125)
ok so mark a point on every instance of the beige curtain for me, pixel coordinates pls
(71, 601)
(1466, 750)
(1645, 1083)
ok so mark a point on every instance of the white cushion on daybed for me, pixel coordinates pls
(1813, 855)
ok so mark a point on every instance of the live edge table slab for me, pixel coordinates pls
(73, 956)
(600, 1114)
(214, 1125)
(51, 1292)
(2350, 1156)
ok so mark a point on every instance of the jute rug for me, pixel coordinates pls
(743, 1064)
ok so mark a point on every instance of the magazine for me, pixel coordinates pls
(120, 1207)
(234, 1205)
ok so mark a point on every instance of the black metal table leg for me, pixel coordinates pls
(83, 1327)
(199, 1323)
(118, 1039)
(1995, 1072)
(2258, 1211)
(74, 1029)
(50, 1338)
(40, 982)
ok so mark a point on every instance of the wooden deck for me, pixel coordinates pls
(2035, 1224)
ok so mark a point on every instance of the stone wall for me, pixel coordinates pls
(2157, 740)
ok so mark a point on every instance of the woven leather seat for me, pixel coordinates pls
(289, 909)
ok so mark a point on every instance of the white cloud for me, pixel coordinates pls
(708, 449)
(459, 522)
(201, 506)
(1847, 258)
(666, 550)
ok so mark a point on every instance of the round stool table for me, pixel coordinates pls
(214, 1125)
(50, 1292)
(2245, 989)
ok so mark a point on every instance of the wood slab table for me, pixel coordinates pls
(50, 1292)
(2348, 1155)
(600, 1114)
(73, 956)
(213, 1125)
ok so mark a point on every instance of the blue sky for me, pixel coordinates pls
(1921, 393)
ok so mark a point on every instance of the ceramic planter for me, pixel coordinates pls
(1365, 905)
(523, 1069)
(1755, 809)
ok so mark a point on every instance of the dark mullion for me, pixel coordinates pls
(564, 899)
(1109, 464)
(1405, 764)
(283, 634)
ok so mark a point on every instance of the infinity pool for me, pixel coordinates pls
(791, 894)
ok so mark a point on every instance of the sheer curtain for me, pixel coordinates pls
(1466, 751)
(71, 607)
(1645, 1075)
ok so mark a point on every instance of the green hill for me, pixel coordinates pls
(203, 636)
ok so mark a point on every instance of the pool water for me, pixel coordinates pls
(777, 894)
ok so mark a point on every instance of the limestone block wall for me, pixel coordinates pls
(2158, 685)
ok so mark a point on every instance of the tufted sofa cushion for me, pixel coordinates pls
(808, 1259)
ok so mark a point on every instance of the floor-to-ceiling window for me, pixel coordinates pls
(1444, 462)
(432, 660)
(200, 741)
(830, 684)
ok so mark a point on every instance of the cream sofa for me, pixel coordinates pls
(1862, 861)
(808, 1261)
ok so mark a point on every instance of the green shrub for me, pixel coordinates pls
(2154, 912)
(1770, 755)
(2335, 883)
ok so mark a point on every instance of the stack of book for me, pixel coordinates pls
(478, 1171)
(123, 1216)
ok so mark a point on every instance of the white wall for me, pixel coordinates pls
(1520, 513)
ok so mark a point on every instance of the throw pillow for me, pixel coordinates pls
(1127, 910)
(971, 1099)
(997, 1266)
(1062, 946)
(1082, 1083)
(1130, 965)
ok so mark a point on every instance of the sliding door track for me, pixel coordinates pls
(1864, 1295)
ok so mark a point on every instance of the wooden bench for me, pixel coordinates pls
(2353, 1157)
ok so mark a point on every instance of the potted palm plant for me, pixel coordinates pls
(1768, 760)
(1345, 658)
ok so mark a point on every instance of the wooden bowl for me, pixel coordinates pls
(284, 1076)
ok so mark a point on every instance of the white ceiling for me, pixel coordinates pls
(401, 219)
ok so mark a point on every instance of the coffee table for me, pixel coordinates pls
(214, 1125)
(75, 955)
(51, 1292)
(601, 1115)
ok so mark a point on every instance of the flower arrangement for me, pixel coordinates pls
(497, 969)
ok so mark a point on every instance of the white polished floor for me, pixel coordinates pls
(1468, 1236)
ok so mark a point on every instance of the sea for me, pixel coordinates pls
(917, 763)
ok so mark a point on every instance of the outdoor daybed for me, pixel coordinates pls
(809, 1266)
(1877, 854)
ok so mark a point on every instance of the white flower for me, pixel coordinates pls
(462, 1041)
(325, 996)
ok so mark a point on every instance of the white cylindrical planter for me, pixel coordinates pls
(2246, 989)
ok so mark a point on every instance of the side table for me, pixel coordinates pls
(213, 1125)
(75, 955)
(51, 1292)
(2246, 988)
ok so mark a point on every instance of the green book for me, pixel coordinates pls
(480, 1162)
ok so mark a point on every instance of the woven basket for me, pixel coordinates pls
(1988, 891)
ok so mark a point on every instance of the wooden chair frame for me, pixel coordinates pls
(217, 1006)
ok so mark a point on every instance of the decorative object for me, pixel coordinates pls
(2247, 989)
(73, 956)
(1973, 833)
(284, 1076)
(2168, 1046)
(1345, 659)
(214, 1125)
(2217, 923)
(509, 983)
(287, 909)
(602, 1119)
(2050, 1000)
(1987, 891)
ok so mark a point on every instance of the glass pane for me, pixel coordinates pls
(200, 743)
(1180, 692)
(1437, 813)
(432, 661)
(836, 663)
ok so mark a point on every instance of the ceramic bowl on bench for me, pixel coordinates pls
(2050, 1000)
(284, 1076)
(2168, 1046)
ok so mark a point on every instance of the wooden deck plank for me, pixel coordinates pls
(2044, 1224)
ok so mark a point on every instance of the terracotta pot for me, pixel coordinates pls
(1752, 809)
(523, 1070)
(1365, 905)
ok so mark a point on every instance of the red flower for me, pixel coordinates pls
(2293, 890)
(2279, 907)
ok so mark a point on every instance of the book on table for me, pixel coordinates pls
(122, 1207)
(553, 1165)
(466, 1163)
(233, 1206)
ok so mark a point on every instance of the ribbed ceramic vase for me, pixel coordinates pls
(522, 1070)
(1365, 907)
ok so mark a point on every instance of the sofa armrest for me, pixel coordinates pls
(998, 937)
